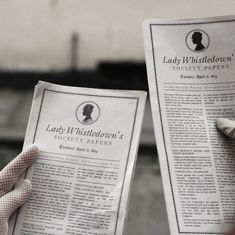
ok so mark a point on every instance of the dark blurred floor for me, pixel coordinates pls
(147, 213)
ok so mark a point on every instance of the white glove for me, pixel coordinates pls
(226, 126)
(10, 199)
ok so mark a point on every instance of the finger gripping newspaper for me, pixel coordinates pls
(191, 76)
(88, 141)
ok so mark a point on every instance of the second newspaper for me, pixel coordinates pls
(191, 74)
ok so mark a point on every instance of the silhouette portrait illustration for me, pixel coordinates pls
(87, 111)
(197, 39)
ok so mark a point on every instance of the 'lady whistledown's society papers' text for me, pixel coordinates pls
(191, 75)
(88, 140)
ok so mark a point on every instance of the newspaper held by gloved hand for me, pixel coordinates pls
(88, 141)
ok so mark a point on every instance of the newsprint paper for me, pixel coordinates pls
(88, 140)
(191, 75)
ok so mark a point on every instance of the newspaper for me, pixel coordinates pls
(88, 140)
(191, 75)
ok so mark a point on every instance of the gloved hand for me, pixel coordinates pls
(10, 199)
(226, 126)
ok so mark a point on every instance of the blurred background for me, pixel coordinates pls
(88, 44)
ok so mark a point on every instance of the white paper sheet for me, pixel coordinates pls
(191, 75)
(88, 140)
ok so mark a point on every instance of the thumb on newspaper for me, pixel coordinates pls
(226, 126)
